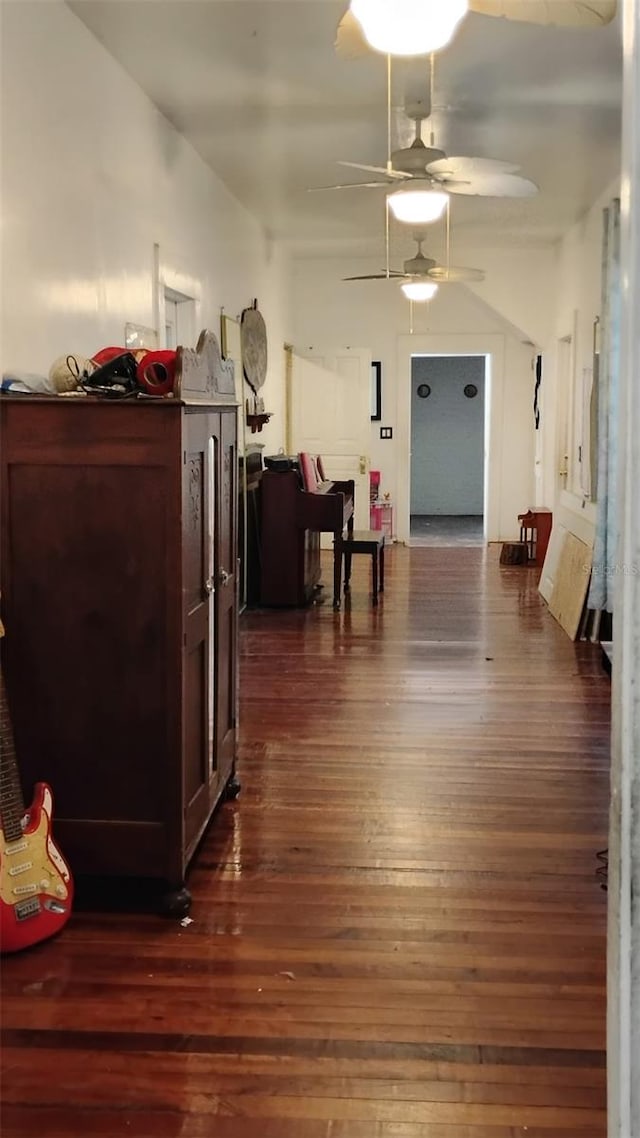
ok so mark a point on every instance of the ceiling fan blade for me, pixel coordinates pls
(377, 276)
(350, 42)
(464, 168)
(493, 186)
(348, 186)
(393, 175)
(561, 13)
(454, 274)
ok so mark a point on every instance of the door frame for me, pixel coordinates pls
(563, 449)
(170, 283)
(488, 344)
(623, 941)
(486, 383)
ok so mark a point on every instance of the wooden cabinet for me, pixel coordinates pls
(118, 569)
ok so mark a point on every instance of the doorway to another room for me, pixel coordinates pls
(179, 319)
(448, 413)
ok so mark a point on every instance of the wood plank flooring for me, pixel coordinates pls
(397, 928)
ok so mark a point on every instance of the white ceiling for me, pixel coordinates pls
(256, 86)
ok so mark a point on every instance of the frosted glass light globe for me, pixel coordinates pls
(419, 290)
(409, 27)
(417, 207)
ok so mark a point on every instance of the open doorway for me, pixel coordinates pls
(448, 429)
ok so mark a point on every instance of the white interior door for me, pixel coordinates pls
(567, 518)
(329, 402)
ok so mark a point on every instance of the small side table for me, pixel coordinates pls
(381, 518)
(365, 541)
(535, 530)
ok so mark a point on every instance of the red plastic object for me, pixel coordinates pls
(156, 372)
(107, 354)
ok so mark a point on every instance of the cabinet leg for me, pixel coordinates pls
(233, 788)
(175, 902)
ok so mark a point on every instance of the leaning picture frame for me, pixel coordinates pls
(376, 391)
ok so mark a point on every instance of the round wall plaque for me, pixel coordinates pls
(253, 337)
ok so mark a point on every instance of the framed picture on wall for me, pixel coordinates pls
(376, 391)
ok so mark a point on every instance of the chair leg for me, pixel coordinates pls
(381, 589)
(374, 562)
(347, 570)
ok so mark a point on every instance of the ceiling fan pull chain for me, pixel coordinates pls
(448, 207)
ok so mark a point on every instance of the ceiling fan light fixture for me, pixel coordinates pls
(417, 207)
(419, 290)
(409, 27)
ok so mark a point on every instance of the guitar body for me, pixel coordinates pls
(36, 889)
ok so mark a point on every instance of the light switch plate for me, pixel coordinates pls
(386, 432)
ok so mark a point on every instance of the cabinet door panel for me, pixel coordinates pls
(199, 478)
(226, 594)
(88, 651)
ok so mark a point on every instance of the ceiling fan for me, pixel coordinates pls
(351, 42)
(422, 269)
(428, 167)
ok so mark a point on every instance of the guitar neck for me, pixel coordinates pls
(11, 800)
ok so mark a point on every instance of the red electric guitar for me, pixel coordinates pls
(36, 889)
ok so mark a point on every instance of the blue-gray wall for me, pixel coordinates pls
(447, 436)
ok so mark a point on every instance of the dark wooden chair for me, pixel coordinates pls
(363, 541)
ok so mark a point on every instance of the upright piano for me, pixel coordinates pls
(292, 520)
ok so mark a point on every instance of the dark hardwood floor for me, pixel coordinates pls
(397, 928)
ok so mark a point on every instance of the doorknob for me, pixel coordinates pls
(208, 586)
(223, 577)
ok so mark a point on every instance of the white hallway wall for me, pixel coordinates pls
(92, 177)
(519, 284)
(577, 272)
(374, 314)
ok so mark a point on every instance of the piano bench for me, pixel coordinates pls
(364, 541)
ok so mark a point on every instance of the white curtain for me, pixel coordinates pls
(604, 551)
